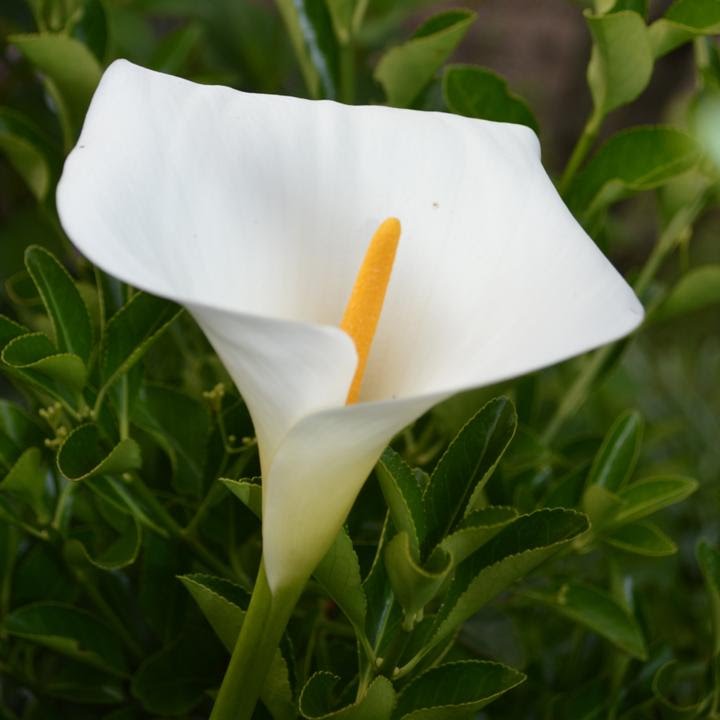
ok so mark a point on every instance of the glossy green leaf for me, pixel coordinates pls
(36, 357)
(404, 497)
(683, 21)
(479, 93)
(29, 150)
(621, 63)
(27, 481)
(475, 530)
(405, 70)
(615, 462)
(647, 496)
(641, 158)
(64, 305)
(69, 631)
(113, 551)
(224, 604)
(461, 473)
(180, 424)
(599, 612)
(9, 330)
(600, 505)
(132, 330)
(71, 74)
(513, 553)
(642, 538)
(249, 493)
(82, 455)
(339, 574)
(175, 679)
(414, 585)
(456, 690)
(698, 289)
(316, 700)
(310, 27)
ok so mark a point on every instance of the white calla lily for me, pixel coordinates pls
(255, 211)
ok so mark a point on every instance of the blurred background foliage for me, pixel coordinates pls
(529, 63)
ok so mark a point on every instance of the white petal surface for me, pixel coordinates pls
(265, 205)
(255, 212)
(316, 474)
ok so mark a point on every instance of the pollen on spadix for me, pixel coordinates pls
(362, 313)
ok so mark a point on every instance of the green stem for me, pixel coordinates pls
(263, 626)
(580, 150)
(573, 400)
(347, 72)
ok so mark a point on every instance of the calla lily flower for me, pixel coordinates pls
(255, 211)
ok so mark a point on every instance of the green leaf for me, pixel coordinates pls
(117, 551)
(29, 150)
(671, 681)
(224, 605)
(621, 63)
(69, 631)
(403, 496)
(405, 70)
(479, 93)
(475, 530)
(65, 307)
(82, 456)
(647, 496)
(9, 330)
(19, 426)
(38, 361)
(513, 553)
(599, 612)
(131, 332)
(27, 481)
(71, 74)
(456, 690)
(180, 424)
(174, 50)
(249, 493)
(316, 700)
(683, 21)
(634, 160)
(641, 539)
(457, 482)
(339, 574)
(414, 585)
(600, 505)
(175, 679)
(698, 289)
(617, 457)
(709, 561)
(311, 32)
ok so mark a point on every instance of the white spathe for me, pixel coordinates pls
(255, 212)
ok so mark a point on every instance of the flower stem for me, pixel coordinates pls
(580, 150)
(263, 626)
